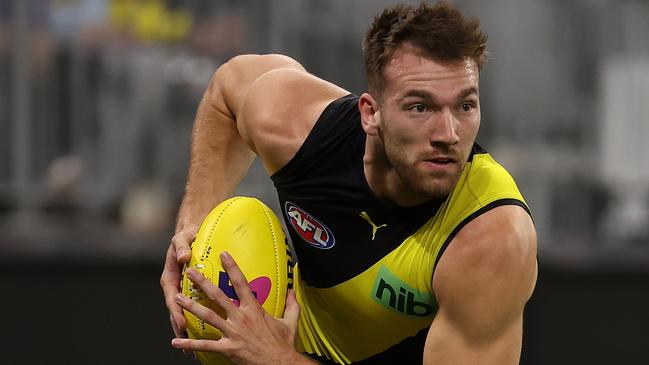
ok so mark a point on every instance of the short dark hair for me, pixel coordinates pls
(441, 31)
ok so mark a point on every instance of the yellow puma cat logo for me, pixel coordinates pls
(374, 226)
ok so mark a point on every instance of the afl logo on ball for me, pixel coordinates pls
(310, 229)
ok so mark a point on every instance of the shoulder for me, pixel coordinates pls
(502, 233)
(496, 244)
(280, 109)
(491, 263)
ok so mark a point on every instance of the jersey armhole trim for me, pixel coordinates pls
(289, 165)
(474, 215)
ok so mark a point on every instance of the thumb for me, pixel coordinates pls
(182, 245)
(292, 310)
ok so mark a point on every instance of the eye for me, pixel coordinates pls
(467, 107)
(419, 108)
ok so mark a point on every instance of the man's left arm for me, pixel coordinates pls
(482, 283)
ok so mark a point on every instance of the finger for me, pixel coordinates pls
(181, 243)
(178, 333)
(292, 310)
(200, 345)
(213, 292)
(204, 313)
(238, 280)
(170, 283)
(174, 327)
(291, 315)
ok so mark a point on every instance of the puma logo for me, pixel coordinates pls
(374, 226)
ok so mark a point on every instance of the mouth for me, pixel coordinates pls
(439, 163)
(442, 160)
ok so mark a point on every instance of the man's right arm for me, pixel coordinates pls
(220, 158)
(255, 104)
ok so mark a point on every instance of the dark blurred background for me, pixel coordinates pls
(97, 99)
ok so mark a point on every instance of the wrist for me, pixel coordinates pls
(191, 214)
(187, 225)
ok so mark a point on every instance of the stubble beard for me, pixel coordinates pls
(428, 185)
(413, 181)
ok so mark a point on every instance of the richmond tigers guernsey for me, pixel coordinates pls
(364, 276)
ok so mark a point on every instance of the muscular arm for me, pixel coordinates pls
(482, 283)
(255, 104)
(219, 160)
(264, 105)
(220, 157)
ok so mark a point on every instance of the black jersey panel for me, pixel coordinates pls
(340, 119)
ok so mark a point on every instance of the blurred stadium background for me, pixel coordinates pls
(97, 100)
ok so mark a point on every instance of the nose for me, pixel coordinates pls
(444, 130)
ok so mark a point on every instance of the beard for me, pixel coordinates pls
(412, 176)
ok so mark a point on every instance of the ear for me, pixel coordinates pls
(370, 114)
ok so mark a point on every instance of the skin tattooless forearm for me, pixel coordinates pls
(219, 160)
(220, 156)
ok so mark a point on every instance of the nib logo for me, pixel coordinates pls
(260, 288)
(395, 294)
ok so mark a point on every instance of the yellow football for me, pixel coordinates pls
(250, 231)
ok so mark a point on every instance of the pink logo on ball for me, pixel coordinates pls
(260, 287)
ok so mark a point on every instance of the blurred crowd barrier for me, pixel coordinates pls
(97, 100)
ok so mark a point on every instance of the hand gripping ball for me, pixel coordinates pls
(253, 235)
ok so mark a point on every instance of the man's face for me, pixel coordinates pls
(429, 115)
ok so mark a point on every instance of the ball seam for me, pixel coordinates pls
(213, 227)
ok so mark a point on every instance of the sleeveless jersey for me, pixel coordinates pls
(365, 265)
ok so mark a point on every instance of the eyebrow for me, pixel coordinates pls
(431, 98)
(468, 91)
